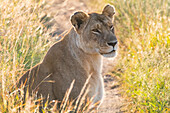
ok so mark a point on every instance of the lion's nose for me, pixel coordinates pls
(113, 43)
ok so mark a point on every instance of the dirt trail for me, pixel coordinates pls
(58, 17)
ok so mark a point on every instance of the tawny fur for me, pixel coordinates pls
(76, 57)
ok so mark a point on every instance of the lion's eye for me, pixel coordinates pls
(96, 31)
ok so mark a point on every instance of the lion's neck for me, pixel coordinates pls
(92, 63)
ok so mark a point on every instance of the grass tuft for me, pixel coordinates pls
(22, 45)
(143, 30)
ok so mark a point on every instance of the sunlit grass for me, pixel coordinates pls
(22, 44)
(142, 28)
(24, 41)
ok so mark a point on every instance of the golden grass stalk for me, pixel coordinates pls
(66, 97)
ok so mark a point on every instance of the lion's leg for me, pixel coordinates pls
(96, 91)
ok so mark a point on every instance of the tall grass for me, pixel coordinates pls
(22, 45)
(142, 27)
(23, 42)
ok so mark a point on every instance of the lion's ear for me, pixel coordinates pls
(109, 11)
(78, 20)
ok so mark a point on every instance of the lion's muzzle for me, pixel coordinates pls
(113, 44)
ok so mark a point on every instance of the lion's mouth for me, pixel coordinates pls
(109, 52)
(112, 52)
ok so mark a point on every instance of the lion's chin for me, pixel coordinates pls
(110, 54)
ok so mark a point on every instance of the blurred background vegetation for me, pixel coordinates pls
(143, 30)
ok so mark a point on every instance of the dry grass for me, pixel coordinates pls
(143, 31)
(23, 43)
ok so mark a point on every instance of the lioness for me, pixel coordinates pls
(76, 57)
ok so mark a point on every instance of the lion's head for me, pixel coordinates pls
(96, 32)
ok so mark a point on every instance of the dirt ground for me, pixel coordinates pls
(58, 17)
